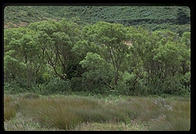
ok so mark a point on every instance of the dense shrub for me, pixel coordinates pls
(61, 56)
(76, 84)
(13, 87)
(56, 85)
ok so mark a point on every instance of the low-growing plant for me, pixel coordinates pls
(66, 113)
(176, 119)
(56, 85)
(31, 96)
(9, 108)
(70, 112)
(13, 87)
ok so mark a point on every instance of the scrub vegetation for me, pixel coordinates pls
(94, 73)
(95, 113)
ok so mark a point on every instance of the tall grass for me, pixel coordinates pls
(177, 119)
(66, 113)
(9, 108)
(110, 126)
(82, 113)
(159, 113)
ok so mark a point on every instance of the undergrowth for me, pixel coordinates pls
(94, 113)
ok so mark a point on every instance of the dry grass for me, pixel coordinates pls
(158, 113)
(176, 119)
(136, 107)
(110, 126)
(21, 123)
(88, 113)
(9, 108)
(68, 112)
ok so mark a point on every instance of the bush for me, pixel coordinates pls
(185, 84)
(13, 87)
(56, 85)
(125, 83)
(31, 96)
(178, 85)
(76, 84)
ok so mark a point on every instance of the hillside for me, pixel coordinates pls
(93, 68)
(148, 16)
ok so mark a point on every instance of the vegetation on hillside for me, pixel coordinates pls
(175, 18)
(97, 68)
(63, 56)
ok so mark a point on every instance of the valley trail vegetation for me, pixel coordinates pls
(111, 68)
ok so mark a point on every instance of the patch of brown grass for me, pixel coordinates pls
(68, 112)
(159, 113)
(9, 108)
(177, 119)
(110, 126)
(88, 113)
(142, 107)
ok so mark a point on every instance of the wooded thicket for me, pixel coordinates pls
(64, 56)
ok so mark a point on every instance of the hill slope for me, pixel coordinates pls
(129, 15)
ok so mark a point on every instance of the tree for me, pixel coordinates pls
(23, 54)
(56, 40)
(171, 59)
(182, 17)
(97, 57)
(111, 37)
(99, 72)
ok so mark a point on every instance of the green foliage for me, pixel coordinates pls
(57, 85)
(170, 59)
(126, 83)
(99, 72)
(186, 38)
(76, 84)
(13, 87)
(62, 56)
(127, 15)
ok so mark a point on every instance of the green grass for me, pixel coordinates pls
(73, 112)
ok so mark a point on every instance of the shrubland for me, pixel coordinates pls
(98, 74)
(174, 18)
(63, 56)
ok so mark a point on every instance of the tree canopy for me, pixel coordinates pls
(101, 57)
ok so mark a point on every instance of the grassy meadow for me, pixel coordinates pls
(24, 112)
